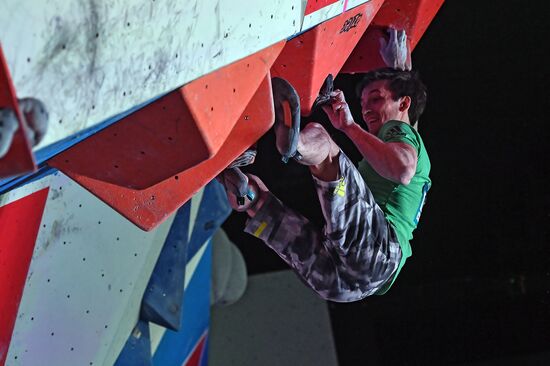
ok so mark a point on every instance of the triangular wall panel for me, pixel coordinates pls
(412, 16)
(308, 58)
(19, 224)
(148, 207)
(172, 134)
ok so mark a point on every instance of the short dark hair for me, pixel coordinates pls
(401, 83)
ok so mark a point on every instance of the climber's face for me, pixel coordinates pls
(378, 106)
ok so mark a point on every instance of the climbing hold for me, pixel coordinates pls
(287, 118)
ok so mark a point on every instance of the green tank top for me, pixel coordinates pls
(402, 204)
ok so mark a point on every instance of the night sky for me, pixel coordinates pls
(477, 289)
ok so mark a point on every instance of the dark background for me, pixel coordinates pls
(477, 289)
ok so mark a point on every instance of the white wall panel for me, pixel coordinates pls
(353, 3)
(89, 60)
(86, 280)
(329, 12)
(322, 14)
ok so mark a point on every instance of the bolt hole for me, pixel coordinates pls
(116, 166)
(60, 121)
(128, 24)
(97, 35)
(176, 177)
(211, 109)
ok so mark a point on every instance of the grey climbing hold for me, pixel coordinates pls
(283, 92)
(229, 276)
(35, 119)
(235, 182)
(8, 127)
(324, 93)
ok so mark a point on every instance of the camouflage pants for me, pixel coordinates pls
(354, 255)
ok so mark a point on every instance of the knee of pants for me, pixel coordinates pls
(314, 126)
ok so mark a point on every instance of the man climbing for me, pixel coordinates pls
(370, 212)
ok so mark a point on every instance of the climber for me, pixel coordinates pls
(370, 212)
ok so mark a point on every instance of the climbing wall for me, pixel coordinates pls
(105, 57)
(106, 224)
(84, 251)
